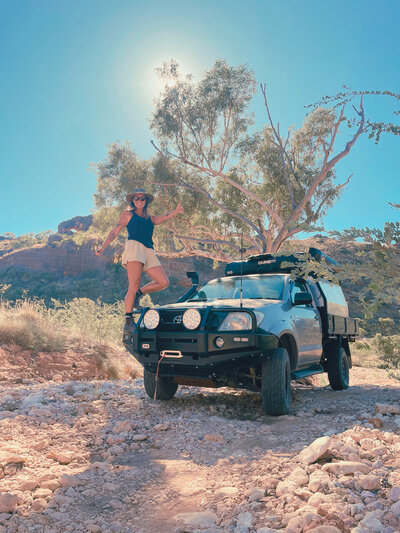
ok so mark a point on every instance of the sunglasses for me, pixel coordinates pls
(139, 198)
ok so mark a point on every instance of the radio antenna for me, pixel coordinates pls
(241, 269)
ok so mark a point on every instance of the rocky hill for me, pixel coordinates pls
(58, 267)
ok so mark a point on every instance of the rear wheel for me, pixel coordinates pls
(166, 387)
(338, 369)
(275, 383)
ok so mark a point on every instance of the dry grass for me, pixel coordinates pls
(80, 325)
(25, 326)
(86, 319)
(115, 363)
(365, 355)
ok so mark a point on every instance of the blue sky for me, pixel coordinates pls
(78, 75)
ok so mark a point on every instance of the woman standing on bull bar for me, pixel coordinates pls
(139, 255)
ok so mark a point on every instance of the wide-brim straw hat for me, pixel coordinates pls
(149, 196)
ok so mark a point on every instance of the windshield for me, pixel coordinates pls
(254, 286)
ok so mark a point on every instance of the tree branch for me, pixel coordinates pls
(215, 173)
(328, 165)
(281, 147)
(315, 217)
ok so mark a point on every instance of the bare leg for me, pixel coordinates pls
(134, 269)
(160, 280)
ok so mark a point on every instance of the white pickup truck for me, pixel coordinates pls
(257, 328)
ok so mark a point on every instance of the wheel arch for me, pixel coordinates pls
(332, 346)
(346, 345)
(287, 341)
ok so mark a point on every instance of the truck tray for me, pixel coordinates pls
(341, 325)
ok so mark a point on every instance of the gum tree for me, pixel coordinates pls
(262, 184)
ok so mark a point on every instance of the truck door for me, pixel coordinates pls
(307, 324)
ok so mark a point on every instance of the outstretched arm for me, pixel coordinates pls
(159, 219)
(122, 222)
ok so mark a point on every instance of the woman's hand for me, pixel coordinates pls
(160, 219)
(179, 209)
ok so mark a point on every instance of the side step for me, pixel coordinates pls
(308, 371)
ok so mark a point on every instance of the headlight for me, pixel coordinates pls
(236, 321)
(191, 318)
(151, 319)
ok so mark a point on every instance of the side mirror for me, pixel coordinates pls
(302, 298)
(194, 276)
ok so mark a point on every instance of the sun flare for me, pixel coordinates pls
(154, 84)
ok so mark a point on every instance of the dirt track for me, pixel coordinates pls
(101, 456)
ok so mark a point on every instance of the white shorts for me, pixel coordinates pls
(136, 251)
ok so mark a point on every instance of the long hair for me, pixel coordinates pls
(145, 213)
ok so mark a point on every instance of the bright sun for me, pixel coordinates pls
(154, 85)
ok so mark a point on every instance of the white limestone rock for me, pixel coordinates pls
(315, 450)
(346, 468)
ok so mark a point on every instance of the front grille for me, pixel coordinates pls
(171, 320)
(183, 340)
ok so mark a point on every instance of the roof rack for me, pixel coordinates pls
(265, 263)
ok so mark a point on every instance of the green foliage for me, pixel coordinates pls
(387, 326)
(9, 242)
(236, 184)
(116, 175)
(269, 186)
(89, 319)
(359, 345)
(104, 219)
(308, 266)
(374, 128)
(205, 116)
(380, 266)
(389, 347)
(110, 284)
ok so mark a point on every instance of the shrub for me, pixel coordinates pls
(360, 345)
(88, 319)
(387, 326)
(389, 348)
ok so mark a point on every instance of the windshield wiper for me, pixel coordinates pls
(263, 298)
(198, 300)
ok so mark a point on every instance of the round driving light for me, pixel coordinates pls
(191, 318)
(219, 342)
(151, 319)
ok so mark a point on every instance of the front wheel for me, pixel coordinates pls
(275, 383)
(338, 369)
(166, 387)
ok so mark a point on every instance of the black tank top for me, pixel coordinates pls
(140, 229)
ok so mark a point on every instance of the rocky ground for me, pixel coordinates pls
(100, 456)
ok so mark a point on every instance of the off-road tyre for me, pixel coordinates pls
(338, 369)
(276, 383)
(166, 387)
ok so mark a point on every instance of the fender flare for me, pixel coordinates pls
(287, 339)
